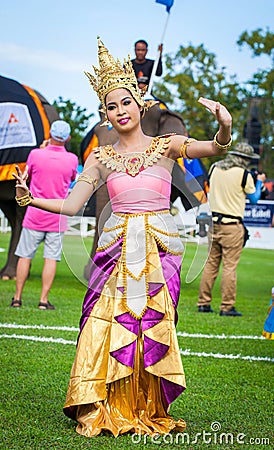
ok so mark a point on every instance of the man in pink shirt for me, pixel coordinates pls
(51, 170)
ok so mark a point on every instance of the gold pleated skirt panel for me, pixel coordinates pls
(132, 404)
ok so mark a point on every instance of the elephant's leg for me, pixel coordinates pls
(15, 215)
(103, 211)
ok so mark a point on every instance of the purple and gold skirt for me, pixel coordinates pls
(128, 370)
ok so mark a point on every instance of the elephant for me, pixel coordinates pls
(25, 121)
(158, 120)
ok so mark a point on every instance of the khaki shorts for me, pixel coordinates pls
(31, 239)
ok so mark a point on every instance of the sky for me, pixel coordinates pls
(48, 45)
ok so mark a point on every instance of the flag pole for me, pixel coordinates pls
(155, 65)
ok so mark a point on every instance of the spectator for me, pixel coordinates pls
(230, 184)
(51, 169)
(264, 191)
(143, 66)
(268, 331)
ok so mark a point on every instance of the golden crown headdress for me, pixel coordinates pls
(112, 75)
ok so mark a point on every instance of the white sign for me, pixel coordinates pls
(16, 128)
(260, 237)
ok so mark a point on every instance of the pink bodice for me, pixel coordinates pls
(147, 191)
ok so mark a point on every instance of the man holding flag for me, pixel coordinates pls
(143, 66)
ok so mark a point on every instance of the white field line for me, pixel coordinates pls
(36, 327)
(218, 336)
(185, 352)
(37, 339)
(179, 333)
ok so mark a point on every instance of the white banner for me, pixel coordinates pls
(16, 128)
(260, 237)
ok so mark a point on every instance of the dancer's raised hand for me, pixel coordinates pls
(219, 111)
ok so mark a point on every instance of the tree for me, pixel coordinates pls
(260, 41)
(76, 117)
(260, 91)
(193, 72)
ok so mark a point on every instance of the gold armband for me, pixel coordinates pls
(25, 200)
(222, 146)
(183, 148)
(88, 179)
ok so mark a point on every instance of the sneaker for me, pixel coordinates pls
(47, 305)
(231, 312)
(205, 309)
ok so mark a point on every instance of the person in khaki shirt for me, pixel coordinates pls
(230, 185)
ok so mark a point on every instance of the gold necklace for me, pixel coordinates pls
(132, 163)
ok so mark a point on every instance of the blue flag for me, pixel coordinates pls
(168, 3)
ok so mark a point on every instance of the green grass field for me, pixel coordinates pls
(229, 379)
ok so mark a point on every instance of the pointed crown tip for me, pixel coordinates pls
(112, 75)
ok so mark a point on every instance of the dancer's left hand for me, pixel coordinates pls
(21, 181)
